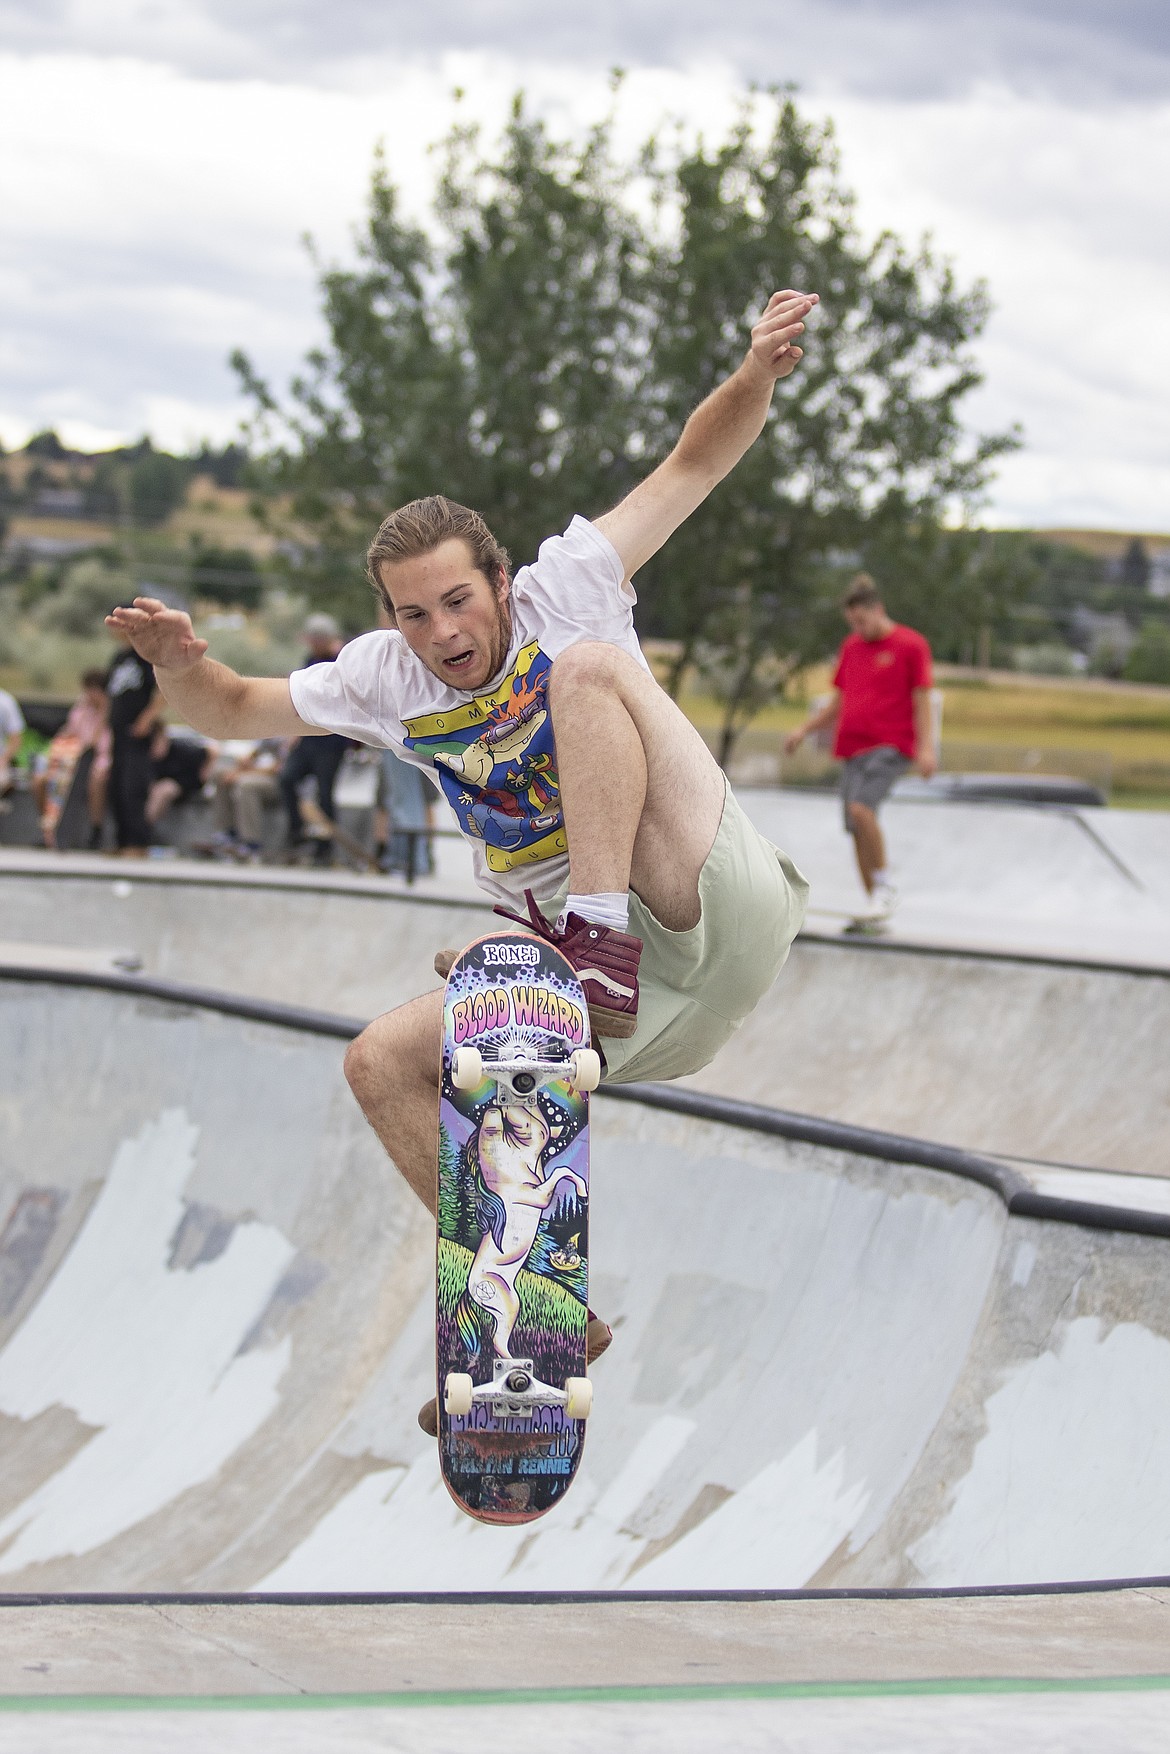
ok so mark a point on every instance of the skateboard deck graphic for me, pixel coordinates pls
(513, 1228)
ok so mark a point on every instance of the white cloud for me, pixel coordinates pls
(1066, 214)
(1084, 49)
(153, 221)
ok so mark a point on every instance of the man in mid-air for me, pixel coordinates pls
(880, 710)
(591, 804)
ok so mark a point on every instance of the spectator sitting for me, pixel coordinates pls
(404, 807)
(315, 757)
(242, 791)
(181, 769)
(87, 727)
(11, 732)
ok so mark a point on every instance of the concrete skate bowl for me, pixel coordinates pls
(1034, 1057)
(842, 1360)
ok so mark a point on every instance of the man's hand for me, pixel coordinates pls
(793, 742)
(927, 763)
(773, 337)
(714, 438)
(206, 695)
(164, 637)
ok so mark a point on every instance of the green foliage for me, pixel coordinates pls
(262, 643)
(46, 444)
(88, 590)
(449, 1202)
(453, 1266)
(1149, 660)
(157, 485)
(538, 350)
(224, 575)
(228, 467)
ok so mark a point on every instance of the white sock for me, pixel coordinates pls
(881, 879)
(611, 907)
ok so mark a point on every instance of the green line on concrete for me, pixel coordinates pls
(666, 1695)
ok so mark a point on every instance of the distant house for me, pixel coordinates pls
(1159, 585)
(1104, 639)
(58, 502)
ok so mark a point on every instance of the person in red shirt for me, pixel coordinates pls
(880, 707)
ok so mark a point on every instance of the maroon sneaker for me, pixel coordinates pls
(606, 962)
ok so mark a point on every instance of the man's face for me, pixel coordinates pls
(452, 619)
(321, 645)
(867, 619)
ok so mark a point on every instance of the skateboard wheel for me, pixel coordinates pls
(457, 1393)
(467, 1068)
(585, 1069)
(578, 1389)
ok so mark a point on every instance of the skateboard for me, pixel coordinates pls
(512, 1276)
(65, 824)
(322, 827)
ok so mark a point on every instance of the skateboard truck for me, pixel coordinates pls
(515, 1392)
(521, 1081)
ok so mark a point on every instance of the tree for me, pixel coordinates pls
(89, 589)
(864, 455)
(1149, 661)
(46, 444)
(543, 353)
(496, 369)
(224, 575)
(158, 483)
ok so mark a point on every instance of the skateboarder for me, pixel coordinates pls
(880, 706)
(618, 839)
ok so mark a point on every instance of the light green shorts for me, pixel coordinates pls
(696, 987)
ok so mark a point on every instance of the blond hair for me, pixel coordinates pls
(420, 528)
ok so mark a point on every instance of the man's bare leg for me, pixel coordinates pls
(868, 843)
(642, 797)
(393, 1070)
(642, 794)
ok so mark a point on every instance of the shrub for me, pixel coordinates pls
(1150, 659)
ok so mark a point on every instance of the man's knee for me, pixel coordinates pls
(393, 1052)
(362, 1065)
(859, 817)
(592, 660)
(371, 1057)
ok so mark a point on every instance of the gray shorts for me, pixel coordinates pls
(867, 778)
(696, 987)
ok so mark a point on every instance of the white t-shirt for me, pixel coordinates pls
(491, 752)
(11, 718)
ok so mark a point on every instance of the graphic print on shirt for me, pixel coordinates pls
(497, 764)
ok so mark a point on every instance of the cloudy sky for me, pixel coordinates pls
(160, 161)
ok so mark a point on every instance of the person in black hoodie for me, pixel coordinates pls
(135, 712)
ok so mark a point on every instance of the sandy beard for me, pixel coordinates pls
(501, 639)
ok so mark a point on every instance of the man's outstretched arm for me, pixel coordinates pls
(713, 440)
(209, 696)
